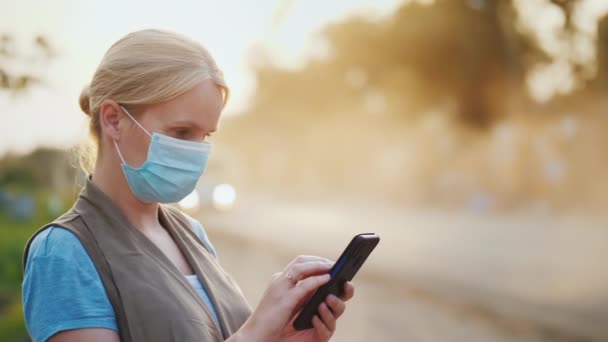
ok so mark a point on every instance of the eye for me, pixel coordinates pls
(181, 133)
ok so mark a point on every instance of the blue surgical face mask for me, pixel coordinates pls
(171, 170)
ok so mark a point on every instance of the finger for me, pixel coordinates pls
(349, 291)
(322, 331)
(306, 258)
(336, 305)
(307, 286)
(327, 317)
(307, 269)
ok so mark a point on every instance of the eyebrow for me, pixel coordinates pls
(182, 123)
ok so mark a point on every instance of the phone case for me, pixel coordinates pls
(344, 270)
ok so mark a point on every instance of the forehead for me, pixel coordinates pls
(201, 106)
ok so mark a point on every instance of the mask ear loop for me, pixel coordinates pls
(133, 119)
(119, 154)
(138, 124)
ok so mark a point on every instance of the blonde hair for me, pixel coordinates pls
(143, 68)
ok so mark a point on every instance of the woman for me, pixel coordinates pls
(119, 266)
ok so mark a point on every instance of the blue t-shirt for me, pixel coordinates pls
(62, 289)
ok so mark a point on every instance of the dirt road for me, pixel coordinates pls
(434, 276)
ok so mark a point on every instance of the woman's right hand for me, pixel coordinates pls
(287, 293)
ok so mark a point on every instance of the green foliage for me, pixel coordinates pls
(12, 326)
(14, 233)
(43, 169)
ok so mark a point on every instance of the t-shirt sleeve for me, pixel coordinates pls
(61, 287)
(200, 231)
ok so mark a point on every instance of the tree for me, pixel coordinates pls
(601, 81)
(475, 56)
(10, 55)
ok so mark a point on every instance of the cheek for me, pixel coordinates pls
(134, 148)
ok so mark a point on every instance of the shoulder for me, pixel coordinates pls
(56, 241)
(58, 250)
(61, 287)
(200, 232)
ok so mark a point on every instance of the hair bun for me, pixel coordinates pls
(85, 101)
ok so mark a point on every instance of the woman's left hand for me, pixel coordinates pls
(324, 325)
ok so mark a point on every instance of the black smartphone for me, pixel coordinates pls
(355, 254)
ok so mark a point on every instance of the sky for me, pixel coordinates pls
(81, 31)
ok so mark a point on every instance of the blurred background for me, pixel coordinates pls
(472, 135)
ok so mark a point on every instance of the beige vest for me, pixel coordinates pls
(152, 299)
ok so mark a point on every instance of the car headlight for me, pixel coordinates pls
(191, 202)
(224, 196)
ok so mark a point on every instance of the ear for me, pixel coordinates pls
(110, 114)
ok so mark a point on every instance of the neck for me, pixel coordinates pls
(109, 178)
